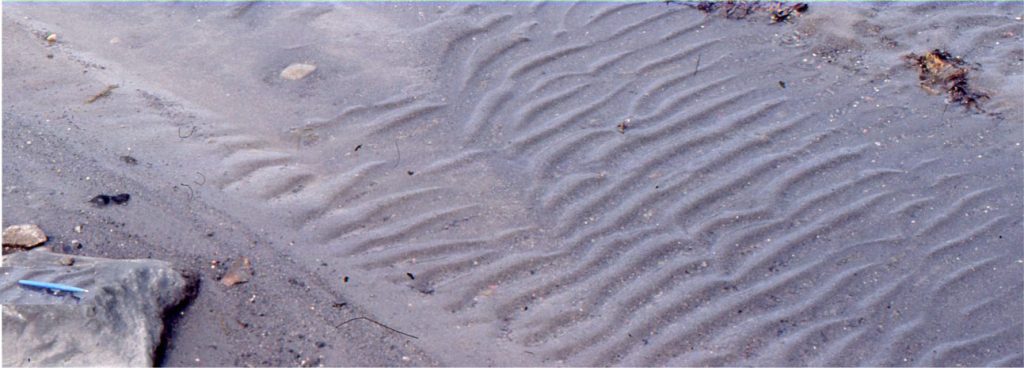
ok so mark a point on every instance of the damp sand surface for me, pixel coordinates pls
(536, 183)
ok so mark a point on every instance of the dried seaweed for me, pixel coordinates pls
(732, 9)
(782, 13)
(101, 94)
(940, 73)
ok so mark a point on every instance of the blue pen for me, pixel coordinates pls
(50, 285)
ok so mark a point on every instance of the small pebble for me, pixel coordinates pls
(121, 198)
(297, 71)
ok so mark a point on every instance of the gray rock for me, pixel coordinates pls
(23, 236)
(118, 322)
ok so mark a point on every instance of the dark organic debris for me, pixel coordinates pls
(357, 148)
(120, 198)
(104, 93)
(782, 13)
(411, 277)
(740, 9)
(732, 9)
(706, 6)
(782, 84)
(103, 199)
(129, 160)
(940, 73)
(622, 127)
(100, 200)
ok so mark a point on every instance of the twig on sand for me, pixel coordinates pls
(399, 155)
(378, 324)
(104, 93)
(696, 67)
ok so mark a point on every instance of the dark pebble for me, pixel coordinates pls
(121, 198)
(100, 200)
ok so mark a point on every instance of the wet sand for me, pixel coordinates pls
(537, 184)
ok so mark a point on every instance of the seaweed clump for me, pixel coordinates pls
(941, 73)
(732, 9)
(782, 13)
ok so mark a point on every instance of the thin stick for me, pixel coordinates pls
(399, 155)
(695, 68)
(104, 93)
(378, 324)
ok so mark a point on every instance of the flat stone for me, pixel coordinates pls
(239, 272)
(297, 71)
(118, 322)
(23, 236)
